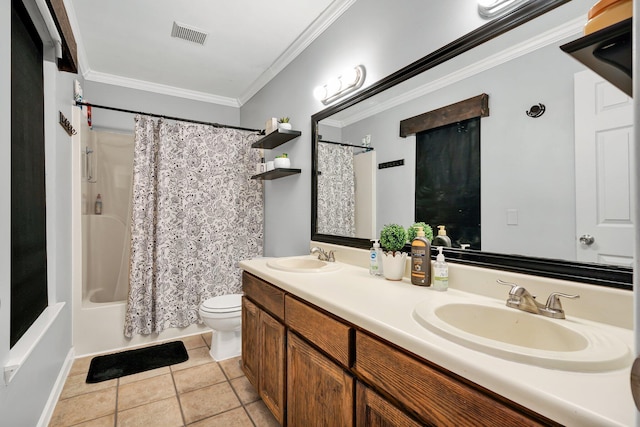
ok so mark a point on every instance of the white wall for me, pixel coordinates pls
(384, 36)
(149, 102)
(24, 399)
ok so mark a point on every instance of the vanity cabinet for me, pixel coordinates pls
(315, 369)
(263, 342)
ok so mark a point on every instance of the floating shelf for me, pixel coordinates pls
(608, 53)
(275, 138)
(276, 173)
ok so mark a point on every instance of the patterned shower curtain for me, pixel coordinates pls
(336, 190)
(196, 213)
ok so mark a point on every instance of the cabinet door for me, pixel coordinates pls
(250, 341)
(372, 410)
(272, 359)
(320, 392)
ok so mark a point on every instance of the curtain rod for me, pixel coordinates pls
(344, 144)
(122, 110)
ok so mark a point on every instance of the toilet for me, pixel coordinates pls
(223, 314)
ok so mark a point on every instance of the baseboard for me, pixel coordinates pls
(56, 391)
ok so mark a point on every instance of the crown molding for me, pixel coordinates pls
(96, 76)
(568, 29)
(313, 31)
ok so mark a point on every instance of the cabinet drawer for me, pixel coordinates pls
(428, 393)
(327, 333)
(264, 294)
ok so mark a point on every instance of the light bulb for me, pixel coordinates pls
(320, 93)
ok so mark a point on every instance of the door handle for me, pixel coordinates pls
(587, 239)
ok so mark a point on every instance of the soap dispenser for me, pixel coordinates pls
(442, 239)
(420, 260)
(375, 259)
(440, 272)
(98, 205)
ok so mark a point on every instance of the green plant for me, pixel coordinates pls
(412, 231)
(393, 237)
(283, 120)
(282, 156)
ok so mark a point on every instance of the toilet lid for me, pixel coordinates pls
(223, 303)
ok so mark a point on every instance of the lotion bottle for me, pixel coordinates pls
(98, 206)
(420, 260)
(375, 259)
(440, 272)
(442, 239)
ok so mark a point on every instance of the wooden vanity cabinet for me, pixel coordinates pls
(264, 342)
(314, 369)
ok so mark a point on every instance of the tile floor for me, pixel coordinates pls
(199, 392)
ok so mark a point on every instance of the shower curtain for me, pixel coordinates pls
(336, 190)
(196, 213)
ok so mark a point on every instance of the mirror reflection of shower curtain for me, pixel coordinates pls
(336, 190)
(195, 215)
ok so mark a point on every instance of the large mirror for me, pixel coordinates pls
(548, 204)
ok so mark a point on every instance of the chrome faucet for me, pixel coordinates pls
(322, 255)
(521, 299)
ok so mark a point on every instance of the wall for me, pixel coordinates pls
(29, 393)
(382, 35)
(149, 102)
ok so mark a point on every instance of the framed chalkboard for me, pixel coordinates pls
(28, 211)
(448, 180)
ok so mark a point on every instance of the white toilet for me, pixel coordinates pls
(223, 314)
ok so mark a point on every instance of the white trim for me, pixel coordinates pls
(568, 29)
(112, 79)
(25, 345)
(56, 391)
(51, 27)
(317, 27)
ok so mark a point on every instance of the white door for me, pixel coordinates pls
(604, 187)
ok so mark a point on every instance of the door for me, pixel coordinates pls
(604, 184)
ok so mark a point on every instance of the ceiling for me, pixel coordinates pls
(129, 43)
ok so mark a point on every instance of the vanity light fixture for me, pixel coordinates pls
(342, 85)
(493, 8)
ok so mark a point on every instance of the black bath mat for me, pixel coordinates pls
(129, 362)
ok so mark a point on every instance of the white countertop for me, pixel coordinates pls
(385, 308)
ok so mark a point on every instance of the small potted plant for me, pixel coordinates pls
(393, 238)
(412, 231)
(282, 161)
(283, 123)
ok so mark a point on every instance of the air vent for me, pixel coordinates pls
(188, 33)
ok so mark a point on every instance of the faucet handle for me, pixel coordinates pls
(502, 282)
(553, 308)
(515, 289)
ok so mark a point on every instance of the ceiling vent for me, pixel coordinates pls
(188, 33)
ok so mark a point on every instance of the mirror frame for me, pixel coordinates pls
(603, 275)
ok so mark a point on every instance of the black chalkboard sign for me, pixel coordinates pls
(448, 180)
(28, 214)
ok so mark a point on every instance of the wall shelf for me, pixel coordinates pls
(608, 52)
(276, 173)
(276, 138)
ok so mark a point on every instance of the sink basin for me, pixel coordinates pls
(495, 329)
(304, 264)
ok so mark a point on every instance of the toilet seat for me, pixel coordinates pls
(222, 304)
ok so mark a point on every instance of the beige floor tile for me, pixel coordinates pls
(144, 375)
(231, 367)
(197, 377)
(207, 338)
(76, 385)
(163, 413)
(145, 391)
(84, 407)
(207, 402)
(234, 418)
(80, 366)
(261, 415)
(108, 421)
(197, 356)
(193, 341)
(244, 390)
